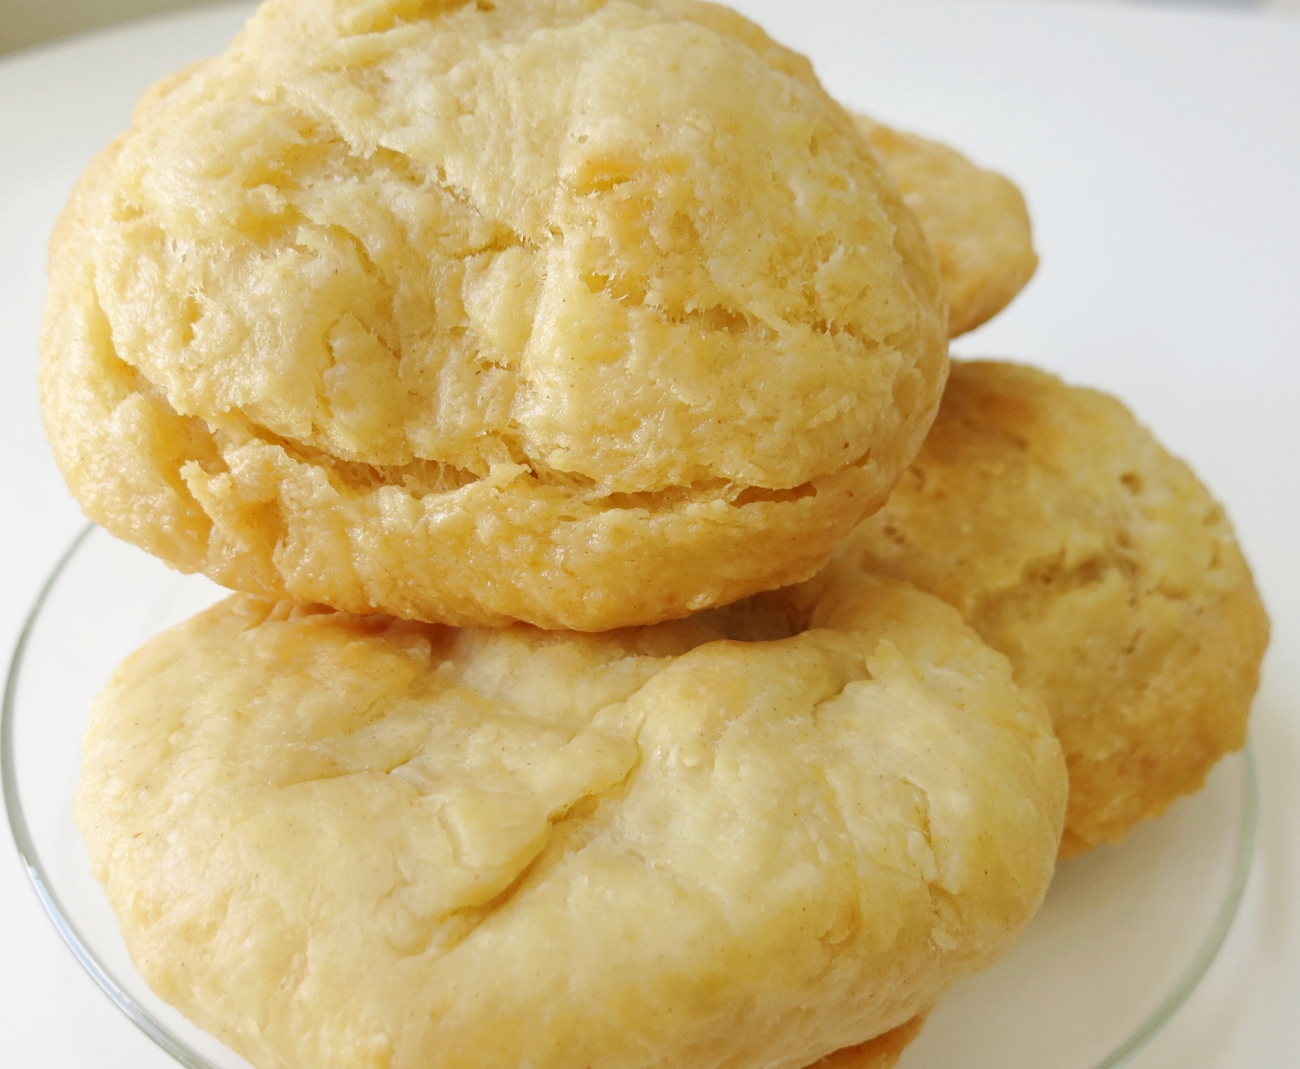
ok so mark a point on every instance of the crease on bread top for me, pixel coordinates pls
(579, 313)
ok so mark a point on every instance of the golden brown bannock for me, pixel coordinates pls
(749, 838)
(975, 220)
(1072, 542)
(575, 313)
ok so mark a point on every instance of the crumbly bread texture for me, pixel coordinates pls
(1072, 542)
(975, 220)
(585, 314)
(749, 838)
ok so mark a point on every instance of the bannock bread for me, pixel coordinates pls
(574, 313)
(749, 838)
(1072, 542)
(975, 220)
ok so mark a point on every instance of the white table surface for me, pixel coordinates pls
(1160, 152)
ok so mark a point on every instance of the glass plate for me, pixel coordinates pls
(1123, 938)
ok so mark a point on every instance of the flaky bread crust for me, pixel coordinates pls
(552, 311)
(1072, 542)
(750, 838)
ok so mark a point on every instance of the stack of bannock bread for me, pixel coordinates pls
(649, 652)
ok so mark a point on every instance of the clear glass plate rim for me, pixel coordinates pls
(184, 1055)
(27, 849)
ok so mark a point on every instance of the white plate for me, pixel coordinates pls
(1160, 151)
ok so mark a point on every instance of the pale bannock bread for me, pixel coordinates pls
(974, 219)
(575, 313)
(750, 838)
(1072, 542)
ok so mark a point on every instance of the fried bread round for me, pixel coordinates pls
(749, 838)
(1072, 542)
(581, 314)
(974, 219)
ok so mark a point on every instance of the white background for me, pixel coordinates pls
(28, 22)
(1160, 152)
